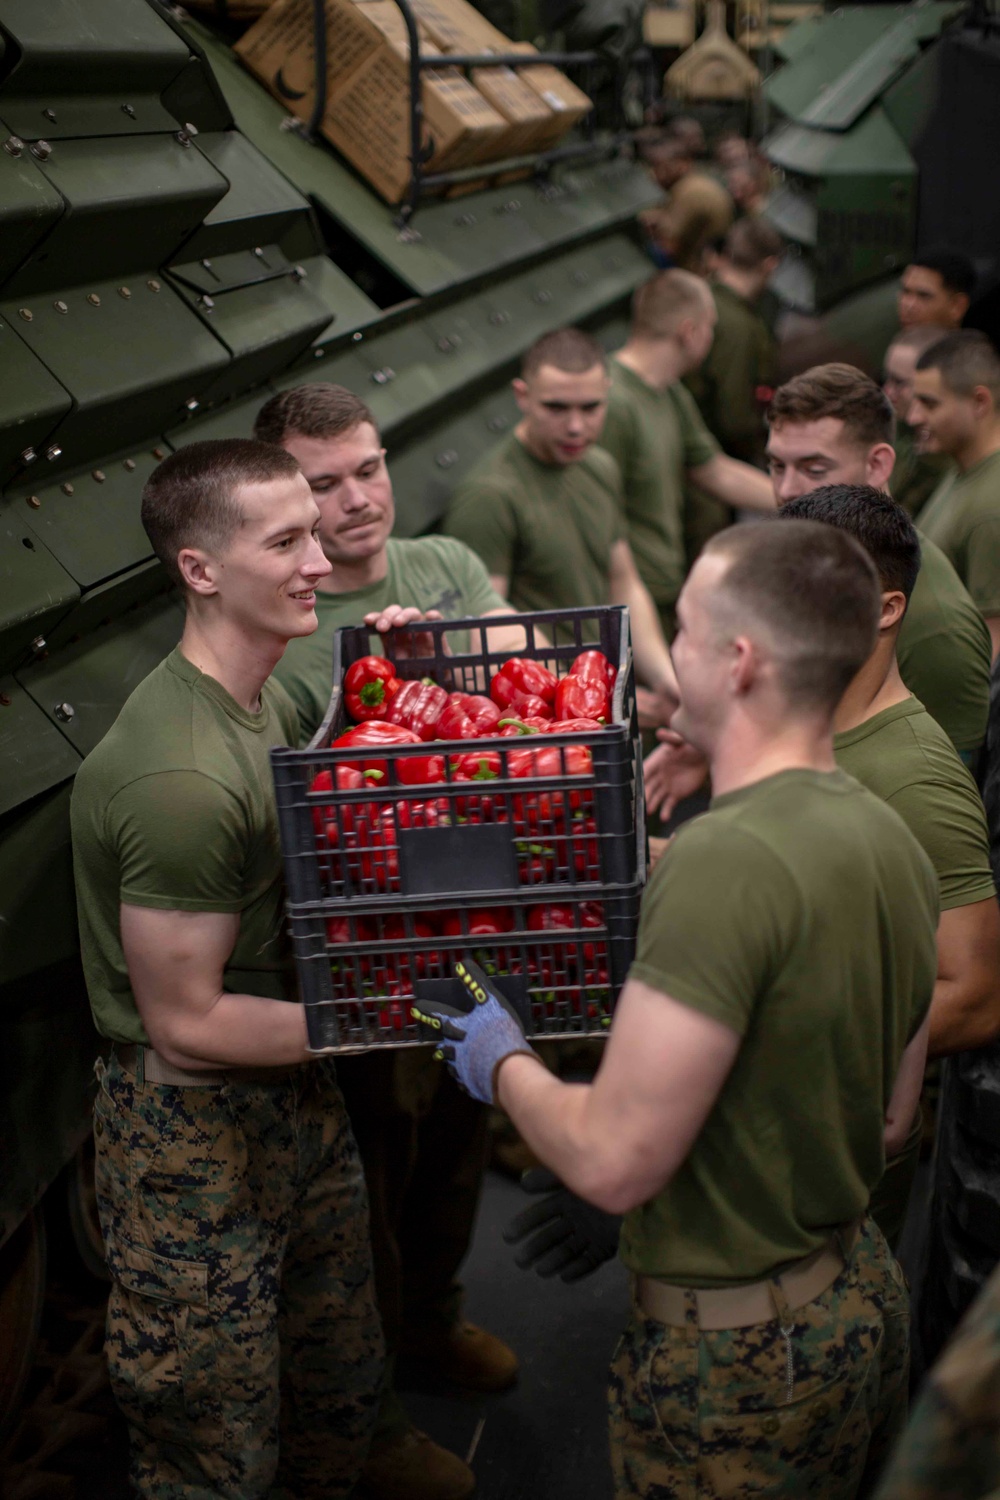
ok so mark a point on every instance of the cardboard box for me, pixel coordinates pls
(567, 104)
(367, 113)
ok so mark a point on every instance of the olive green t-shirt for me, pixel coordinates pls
(548, 528)
(175, 810)
(907, 760)
(655, 437)
(963, 517)
(801, 913)
(729, 385)
(944, 650)
(428, 572)
(915, 476)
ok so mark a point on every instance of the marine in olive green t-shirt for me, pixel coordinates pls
(963, 518)
(801, 913)
(428, 572)
(175, 810)
(548, 528)
(943, 651)
(655, 437)
(905, 758)
(729, 385)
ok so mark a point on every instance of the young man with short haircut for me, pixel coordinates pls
(765, 1055)
(888, 741)
(956, 411)
(936, 287)
(656, 436)
(832, 425)
(423, 1142)
(545, 509)
(243, 1340)
(915, 476)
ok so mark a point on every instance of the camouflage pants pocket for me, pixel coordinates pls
(653, 1400)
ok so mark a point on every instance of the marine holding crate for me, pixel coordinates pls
(422, 1141)
(765, 1057)
(232, 1200)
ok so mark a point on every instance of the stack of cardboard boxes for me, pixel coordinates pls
(496, 114)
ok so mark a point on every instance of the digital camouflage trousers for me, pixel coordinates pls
(243, 1341)
(805, 1405)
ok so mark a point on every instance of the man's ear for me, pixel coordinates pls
(745, 665)
(198, 570)
(983, 404)
(520, 388)
(879, 465)
(893, 609)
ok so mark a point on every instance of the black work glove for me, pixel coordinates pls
(562, 1234)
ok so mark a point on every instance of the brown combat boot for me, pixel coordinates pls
(411, 1466)
(462, 1353)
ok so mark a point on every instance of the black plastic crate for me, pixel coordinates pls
(393, 852)
(359, 971)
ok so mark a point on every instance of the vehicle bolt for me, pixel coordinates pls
(123, 291)
(207, 264)
(183, 137)
(258, 252)
(318, 353)
(13, 145)
(67, 488)
(207, 302)
(50, 115)
(4, 700)
(28, 455)
(99, 475)
(446, 459)
(64, 711)
(299, 273)
(129, 464)
(60, 307)
(543, 297)
(153, 284)
(93, 299)
(192, 403)
(159, 453)
(34, 502)
(192, 130)
(26, 313)
(38, 645)
(128, 110)
(52, 452)
(356, 338)
(42, 150)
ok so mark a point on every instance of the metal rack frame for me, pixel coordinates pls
(541, 163)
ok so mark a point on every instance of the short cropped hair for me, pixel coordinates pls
(567, 349)
(750, 242)
(813, 592)
(956, 270)
(661, 304)
(966, 359)
(190, 499)
(318, 410)
(881, 526)
(920, 338)
(836, 390)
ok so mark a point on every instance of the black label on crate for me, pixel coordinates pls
(514, 987)
(461, 858)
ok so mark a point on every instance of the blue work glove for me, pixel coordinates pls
(474, 1039)
(561, 1235)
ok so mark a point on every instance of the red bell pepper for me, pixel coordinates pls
(556, 917)
(510, 728)
(579, 699)
(370, 684)
(593, 666)
(520, 678)
(332, 820)
(467, 716)
(574, 726)
(418, 706)
(411, 770)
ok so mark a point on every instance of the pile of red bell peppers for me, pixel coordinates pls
(553, 827)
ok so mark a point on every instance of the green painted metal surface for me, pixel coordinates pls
(259, 208)
(89, 521)
(32, 401)
(35, 757)
(34, 589)
(29, 206)
(851, 58)
(873, 148)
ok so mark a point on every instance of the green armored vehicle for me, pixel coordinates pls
(170, 254)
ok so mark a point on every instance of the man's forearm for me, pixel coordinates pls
(237, 1031)
(736, 483)
(556, 1120)
(649, 648)
(963, 1015)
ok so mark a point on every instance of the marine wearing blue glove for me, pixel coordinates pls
(474, 1040)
